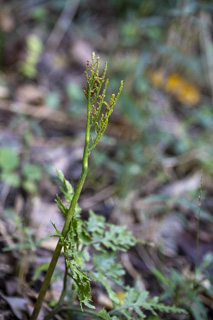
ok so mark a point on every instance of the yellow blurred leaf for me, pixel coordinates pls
(121, 295)
(183, 90)
(174, 83)
(189, 95)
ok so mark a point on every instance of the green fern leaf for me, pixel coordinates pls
(96, 224)
(136, 300)
(118, 238)
(106, 235)
(60, 205)
(82, 282)
(107, 269)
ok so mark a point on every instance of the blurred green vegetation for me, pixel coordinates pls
(184, 290)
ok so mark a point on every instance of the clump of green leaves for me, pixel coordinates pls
(185, 290)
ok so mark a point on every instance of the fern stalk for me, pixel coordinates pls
(94, 119)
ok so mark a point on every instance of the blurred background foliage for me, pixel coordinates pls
(161, 133)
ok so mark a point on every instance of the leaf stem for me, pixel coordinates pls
(78, 310)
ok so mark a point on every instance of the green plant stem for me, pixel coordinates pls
(53, 312)
(77, 310)
(120, 309)
(69, 216)
(72, 309)
(63, 293)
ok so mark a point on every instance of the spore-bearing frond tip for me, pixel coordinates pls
(100, 109)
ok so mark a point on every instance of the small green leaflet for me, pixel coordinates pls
(82, 282)
(116, 238)
(96, 224)
(98, 276)
(63, 208)
(106, 263)
(106, 268)
(68, 192)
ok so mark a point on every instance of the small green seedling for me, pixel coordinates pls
(9, 162)
(12, 175)
(34, 50)
(184, 291)
(78, 237)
